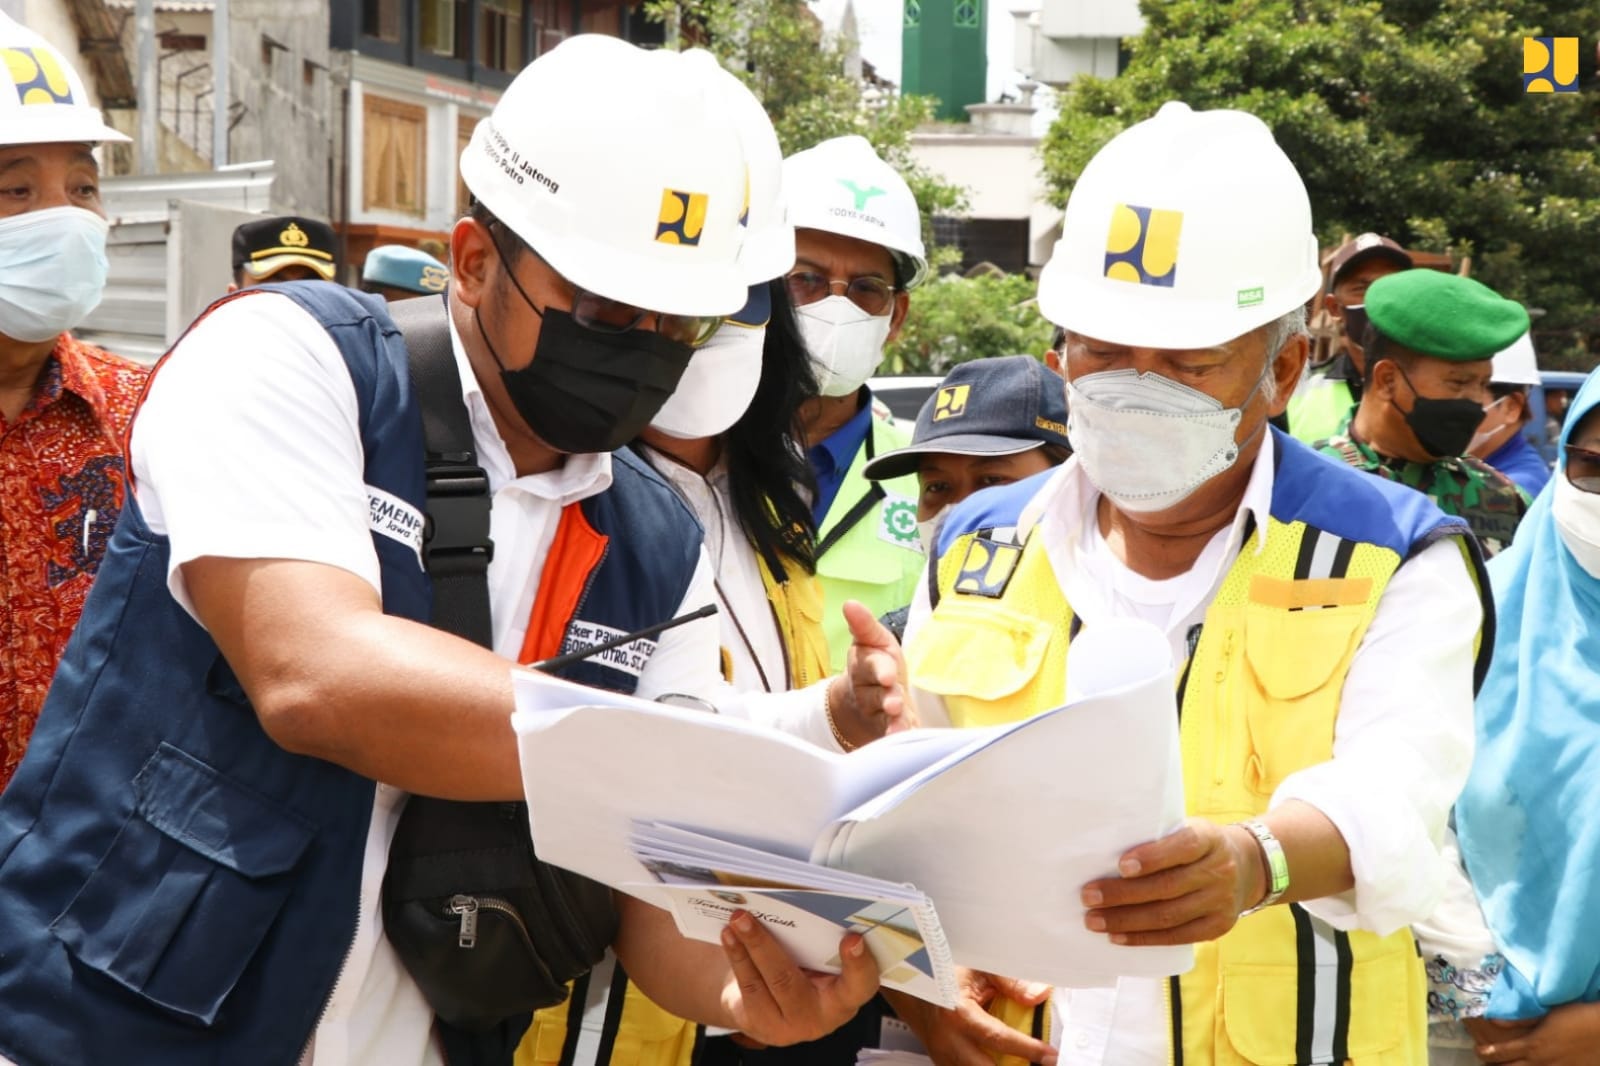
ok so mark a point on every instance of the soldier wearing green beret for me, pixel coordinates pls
(1430, 341)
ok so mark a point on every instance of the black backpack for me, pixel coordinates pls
(489, 933)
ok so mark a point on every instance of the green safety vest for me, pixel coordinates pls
(867, 546)
(1320, 408)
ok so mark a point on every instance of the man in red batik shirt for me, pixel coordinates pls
(64, 404)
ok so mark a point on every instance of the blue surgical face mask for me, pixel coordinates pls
(52, 271)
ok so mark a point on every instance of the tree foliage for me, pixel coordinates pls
(798, 73)
(953, 319)
(1406, 117)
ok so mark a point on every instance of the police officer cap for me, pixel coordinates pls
(1444, 315)
(405, 268)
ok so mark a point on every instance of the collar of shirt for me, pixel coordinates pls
(830, 458)
(1067, 504)
(67, 369)
(578, 478)
(835, 451)
(706, 494)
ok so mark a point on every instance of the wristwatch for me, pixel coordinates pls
(1273, 861)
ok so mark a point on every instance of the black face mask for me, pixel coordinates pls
(1444, 428)
(588, 390)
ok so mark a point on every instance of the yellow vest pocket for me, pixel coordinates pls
(1260, 1013)
(984, 651)
(1297, 661)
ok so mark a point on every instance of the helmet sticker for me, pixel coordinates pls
(1142, 245)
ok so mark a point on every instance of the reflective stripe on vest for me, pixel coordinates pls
(1260, 704)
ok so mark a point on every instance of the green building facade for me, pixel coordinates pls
(944, 53)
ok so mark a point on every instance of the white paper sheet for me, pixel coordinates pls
(1000, 835)
(1045, 809)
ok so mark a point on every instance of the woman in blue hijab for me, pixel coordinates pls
(1529, 818)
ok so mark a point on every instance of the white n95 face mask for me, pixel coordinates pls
(1146, 441)
(717, 386)
(52, 271)
(1577, 517)
(846, 343)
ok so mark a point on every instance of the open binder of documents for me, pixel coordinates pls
(995, 828)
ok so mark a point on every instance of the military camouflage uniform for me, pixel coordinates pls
(1491, 503)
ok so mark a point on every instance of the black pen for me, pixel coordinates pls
(568, 658)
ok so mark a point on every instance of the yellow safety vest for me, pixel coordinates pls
(1259, 698)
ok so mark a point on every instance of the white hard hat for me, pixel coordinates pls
(1517, 365)
(618, 166)
(1185, 231)
(768, 250)
(42, 99)
(841, 186)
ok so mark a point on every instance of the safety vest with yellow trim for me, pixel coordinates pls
(867, 545)
(627, 1028)
(1259, 699)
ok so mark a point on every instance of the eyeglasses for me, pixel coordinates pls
(872, 294)
(605, 315)
(1583, 468)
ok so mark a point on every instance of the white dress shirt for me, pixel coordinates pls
(1402, 740)
(749, 630)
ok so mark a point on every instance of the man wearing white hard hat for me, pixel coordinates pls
(1323, 628)
(64, 404)
(858, 254)
(1500, 441)
(192, 855)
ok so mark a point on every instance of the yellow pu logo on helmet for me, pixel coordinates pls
(1142, 245)
(1549, 64)
(38, 76)
(951, 402)
(433, 278)
(293, 237)
(682, 218)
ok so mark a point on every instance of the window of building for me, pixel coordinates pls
(443, 27)
(500, 35)
(966, 14)
(549, 27)
(381, 19)
(465, 124)
(393, 156)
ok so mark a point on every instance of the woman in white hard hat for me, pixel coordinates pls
(64, 403)
(1325, 625)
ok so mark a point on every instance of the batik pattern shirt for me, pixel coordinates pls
(60, 493)
(1491, 503)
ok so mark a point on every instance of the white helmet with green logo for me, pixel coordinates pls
(1186, 230)
(841, 186)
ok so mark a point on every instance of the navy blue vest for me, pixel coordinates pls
(174, 887)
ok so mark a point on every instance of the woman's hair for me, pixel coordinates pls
(767, 467)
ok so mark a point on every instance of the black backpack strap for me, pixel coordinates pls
(456, 545)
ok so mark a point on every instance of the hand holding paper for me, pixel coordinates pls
(998, 827)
